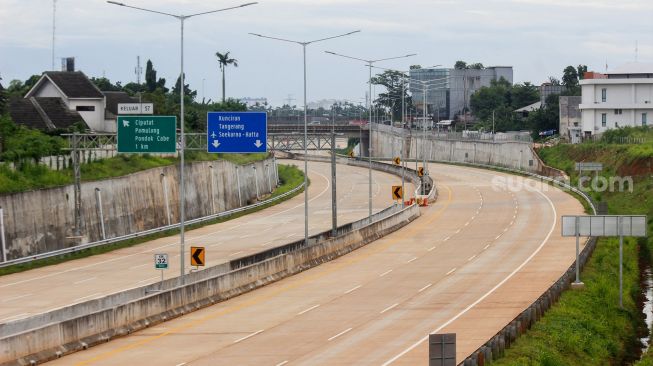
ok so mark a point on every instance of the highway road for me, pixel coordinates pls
(40, 290)
(469, 265)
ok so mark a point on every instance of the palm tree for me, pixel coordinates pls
(224, 61)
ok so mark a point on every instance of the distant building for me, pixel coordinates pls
(547, 89)
(251, 102)
(570, 119)
(619, 98)
(449, 90)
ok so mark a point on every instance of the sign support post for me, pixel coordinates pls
(621, 262)
(578, 283)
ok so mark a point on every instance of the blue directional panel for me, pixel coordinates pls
(237, 132)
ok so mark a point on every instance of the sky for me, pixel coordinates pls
(538, 38)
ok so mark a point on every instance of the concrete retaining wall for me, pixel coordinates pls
(58, 338)
(387, 142)
(41, 221)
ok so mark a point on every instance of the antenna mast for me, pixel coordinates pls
(54, 12)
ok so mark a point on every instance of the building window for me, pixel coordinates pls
(604, 94)
(604, 119)
(85, 108)
(618, 111)
(644, 119)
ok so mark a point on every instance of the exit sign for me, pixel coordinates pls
(147, 134)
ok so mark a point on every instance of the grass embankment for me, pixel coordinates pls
(289, 175)
(587, 327)
(31, 176)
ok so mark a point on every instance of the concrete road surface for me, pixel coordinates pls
(468, 265)
(48, 288)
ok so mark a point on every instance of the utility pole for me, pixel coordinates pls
(77, 186)
(138, 70)
(54, 12)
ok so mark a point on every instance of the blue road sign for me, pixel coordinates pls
(237, 132)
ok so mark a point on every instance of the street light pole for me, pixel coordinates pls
(182, 191)
(370, 64)
(304, 44)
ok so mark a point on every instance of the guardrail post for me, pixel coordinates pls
(240, 198)
(276, 171)
(211, 189)
(164, 180)
(256, 182)
(2, 234)
(98, 201)
(267, 172)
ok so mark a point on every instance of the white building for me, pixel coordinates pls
(622, 97)
(78, 94)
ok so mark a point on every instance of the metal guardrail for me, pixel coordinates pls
(145, 232)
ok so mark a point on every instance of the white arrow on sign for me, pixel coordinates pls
(216, 143)
(213, 135)
(125, 123)
(258, 143)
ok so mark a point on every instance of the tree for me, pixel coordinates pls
(524, 94)
(393, 82)
(187, 91)
(547, 118)
(224, 61)
(570, 77)
(3, 100)
(460, 65)
(415, 67)
(554, 80)
(150, 77)
(582, 69)
(476, 66)
(105, 84)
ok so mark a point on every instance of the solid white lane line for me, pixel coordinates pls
(282, 363)
(425, 287)
(148, 279)
(485, 247)
(266, 243)
(450, 272)
(411, 260)
(181, 364)
(140, 265)
(309, 309)
(232, 254)
(84, 280)
(389, 308)
(290, 235)
(353, 289)
(385, 273)
(339, 334)
(14, 316)
(471, 258)
(248, 336)
(86, 297)
(15, 297)
(430, 249)
(472, 305)
(216, 244)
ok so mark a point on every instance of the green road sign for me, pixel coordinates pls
(147, 134)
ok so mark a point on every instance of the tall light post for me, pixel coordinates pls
(370, 64)
(182, 191)
(304, 44)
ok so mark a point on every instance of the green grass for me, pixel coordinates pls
(587, 327)
(31, 176)
(289, 175)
